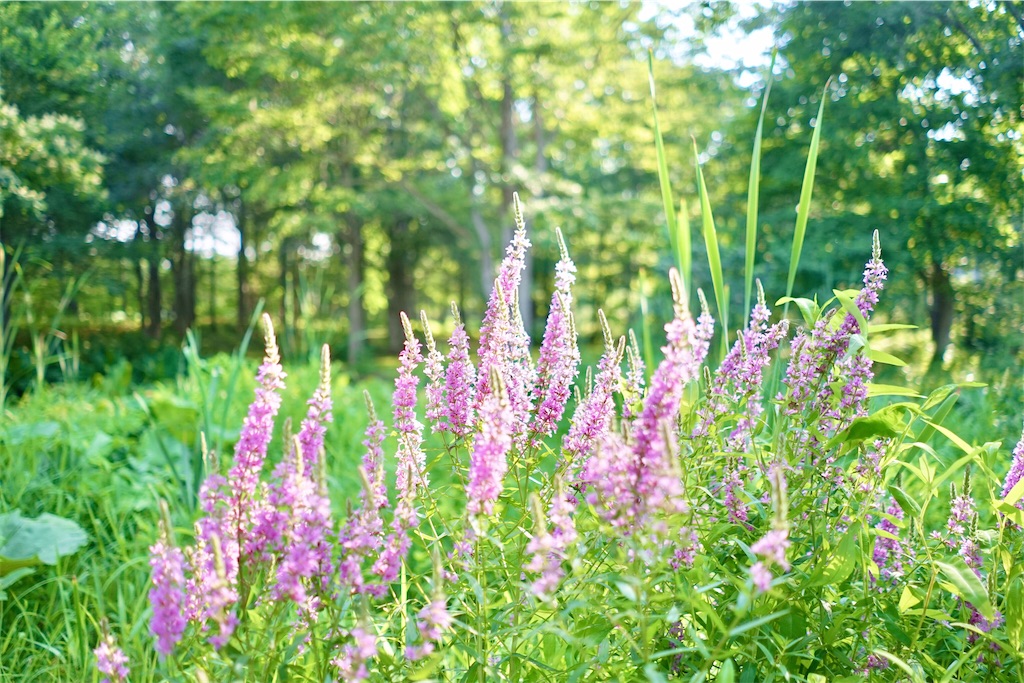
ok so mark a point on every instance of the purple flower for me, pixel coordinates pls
(504, 343)
(167, 595)
(351, 662)
(432, 622)
(251, 449)
(761, 577)
(460, 381)
(411, 468)
(363, 533)
(633, 387)
(311, 433)
(488, 461)
(889, 552)
(737, 383)
(559, 355)
(434, 370)
(772, 547)
(593, 416)
(1016, 472)
(548, 549)
(111, 661)
(658, 484)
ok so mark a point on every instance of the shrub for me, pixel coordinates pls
(757, 522)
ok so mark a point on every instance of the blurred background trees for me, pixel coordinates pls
(342, 162)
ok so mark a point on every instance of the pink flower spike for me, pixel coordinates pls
(167, 595)
(488, 461)
(111, 660)
(460, 381)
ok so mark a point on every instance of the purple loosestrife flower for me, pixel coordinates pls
(1016, 472)
(961, 528)
(363, 533)
(738, 381)
(657, 484)
(548, 548)
(593, 416)
(351, 662)
(633, 388)
(110, 660)
(772, 551)
(411, 471)
(559, 355)
(434, 370)
(460, 381)
(488, 461)
(311, 433)
(167, 594)
(432, 622)
(889, 553)
(251, 450)
(504, 343)
(610, 477)
(984, 625)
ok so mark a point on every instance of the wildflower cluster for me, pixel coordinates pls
(627, 516)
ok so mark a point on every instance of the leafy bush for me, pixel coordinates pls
(757, 522)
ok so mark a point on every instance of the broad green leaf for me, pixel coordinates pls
(908, 599)
(883, 357)
(909, 505)
(1013, 513)
(1013, 608)
(19, 434)
(886, 422)
(726, 674)
(808, 309)
(890, 390)
(1015, 494)
(964, 583)
(914, 674)
(842, 562)
(27, 542)
(850, 306)
(953, 469)
(804, 207)
(949, 434)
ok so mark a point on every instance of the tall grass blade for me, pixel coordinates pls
(714, 258)
(804, 208)
(645, 329)
(753, 194)
(678, 235)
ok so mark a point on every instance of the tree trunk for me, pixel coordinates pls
(244, 295)
(351, 242)
(153, 293)
(941, 310)
(401, 288)
(183, 269)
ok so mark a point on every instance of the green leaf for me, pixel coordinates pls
(886, 422)
(890, 390)
(755, 623)
(842, 562)
(850, 306)
(804, 207)
(711, 245)
(883, 357)
(808, 309)
(28, 542)
(680, 240)
(949, 434)
(1015, 494)
(908, 599)
(726, 674)
(964, 583)
(1013, 608)
(753, 194)
(909, 505)
(887, 327)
